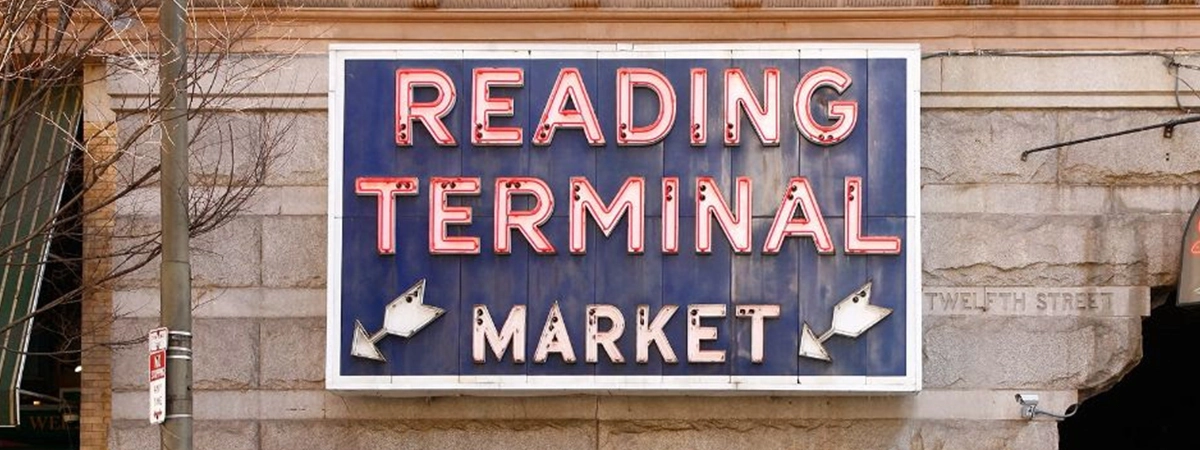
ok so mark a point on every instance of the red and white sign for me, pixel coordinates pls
(507, 219)
(158, 375)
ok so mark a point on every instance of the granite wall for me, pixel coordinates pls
(1036, 276)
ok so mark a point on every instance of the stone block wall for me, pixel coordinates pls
(1079, 235)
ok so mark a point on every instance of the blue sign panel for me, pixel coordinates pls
(636, 218)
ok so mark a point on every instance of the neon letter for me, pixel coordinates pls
(442, 214)
(799, 194)
(608, 338)
(697, 333)
(568, 87)
(670, 215)
(651, 332)
(629, 201)
(856, 243)
(710, 203)
(699, 127)
(386, 189)
(527, 222)
(512, 335)
(739, 97)
(429, 113)
(554, 338)
(845, 111)
(629, 78)
(484, 107)
(757, 313)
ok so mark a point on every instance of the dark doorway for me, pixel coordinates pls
(1155, 405)
(50, 385)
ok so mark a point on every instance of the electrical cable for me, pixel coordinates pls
(1171, 60)
(1071, 410)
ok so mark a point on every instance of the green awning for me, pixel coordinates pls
(32, 172)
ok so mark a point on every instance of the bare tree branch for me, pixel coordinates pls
(46, 45)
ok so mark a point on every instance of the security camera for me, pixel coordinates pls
(1029, 408)
(1027, 399)
(1028, 404)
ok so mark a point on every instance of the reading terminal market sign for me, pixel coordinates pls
(534, 219)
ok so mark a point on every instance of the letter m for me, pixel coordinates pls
(485, 335)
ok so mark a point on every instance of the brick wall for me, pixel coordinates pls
(96, 378)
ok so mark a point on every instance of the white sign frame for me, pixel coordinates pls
(522, 385)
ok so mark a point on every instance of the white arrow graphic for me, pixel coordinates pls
(851, 317)
(404, 316)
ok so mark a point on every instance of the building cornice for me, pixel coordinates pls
(935, 28)
(801, 15)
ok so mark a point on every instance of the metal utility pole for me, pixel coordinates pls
(175, 271)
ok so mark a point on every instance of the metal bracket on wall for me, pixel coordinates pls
(1029, 408)
(1168, 131)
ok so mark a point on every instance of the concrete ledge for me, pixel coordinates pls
(1043, 80)
(318, 404)
(721, 434)
(1028, 80)
(709, 434)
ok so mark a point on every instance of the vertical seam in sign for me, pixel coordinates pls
(595, 63)
(465, 123)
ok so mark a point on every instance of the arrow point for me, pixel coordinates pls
(362, 346)
(408, 314)
(810, 346)
(855, 314)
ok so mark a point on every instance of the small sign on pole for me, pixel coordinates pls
(158, 375)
